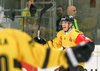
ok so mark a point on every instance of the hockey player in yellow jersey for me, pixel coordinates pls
(17, 48)
(68, 37)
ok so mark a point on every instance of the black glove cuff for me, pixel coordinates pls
(91, 45)
(41, 40)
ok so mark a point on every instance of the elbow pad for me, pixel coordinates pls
(80, 53)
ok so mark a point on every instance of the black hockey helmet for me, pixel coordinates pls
(68, 18)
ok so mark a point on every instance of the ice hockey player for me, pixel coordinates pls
(68, 37)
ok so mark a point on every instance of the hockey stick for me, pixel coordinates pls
(41, 13)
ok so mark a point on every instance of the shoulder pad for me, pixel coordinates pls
(78, 31)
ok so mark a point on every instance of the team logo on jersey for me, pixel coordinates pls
(70, 39)
(61, 37)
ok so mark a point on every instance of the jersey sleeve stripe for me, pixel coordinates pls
(47, 58)
(17, 64)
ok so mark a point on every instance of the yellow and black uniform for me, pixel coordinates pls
(65, 39)
(68, 39)
(16, 47)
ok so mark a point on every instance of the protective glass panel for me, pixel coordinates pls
(88, 18)
(14, 19)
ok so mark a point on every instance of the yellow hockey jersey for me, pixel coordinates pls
(17, 46)
(66, 39)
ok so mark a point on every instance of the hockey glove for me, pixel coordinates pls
(41, 40)
(32, 10)
(80, 53)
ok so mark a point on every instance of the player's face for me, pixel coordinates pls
(65, 25)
